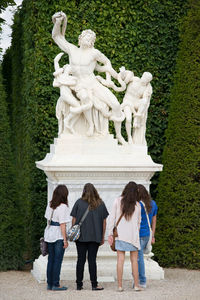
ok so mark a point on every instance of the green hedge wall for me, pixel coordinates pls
(141, 35)
(178, 230)
(11, 218)
(10, 222)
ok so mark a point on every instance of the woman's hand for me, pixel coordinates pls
(63, 231)
(66, 244)
(110, 240)
(153, 240)
(102, 241)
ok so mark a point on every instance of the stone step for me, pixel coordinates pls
(106, 266)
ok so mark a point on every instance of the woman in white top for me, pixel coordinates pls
(128, 230)
(55, 235)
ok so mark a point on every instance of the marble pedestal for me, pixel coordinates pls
(106, 266)
(75, 160)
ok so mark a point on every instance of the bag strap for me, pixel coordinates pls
(146, 215)
(119, 220)
(49, 221)
(84, 216)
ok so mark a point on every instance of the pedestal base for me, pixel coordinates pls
(106, 266)
(76, 160)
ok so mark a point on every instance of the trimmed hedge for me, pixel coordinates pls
(11, 219)
(178, 230)
(10, 222)
(142, 36)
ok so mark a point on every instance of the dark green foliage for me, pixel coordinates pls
(10, 218)
(141, 35)
(7, 74)
(178, 230)
(5, 3)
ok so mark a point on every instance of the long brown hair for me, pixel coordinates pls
(145, 197)
(129, 199)
(91, 196)
(60, 195)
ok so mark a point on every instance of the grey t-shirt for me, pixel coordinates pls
(92, 226)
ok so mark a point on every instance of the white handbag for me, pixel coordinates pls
(148, 247)
(75, 231)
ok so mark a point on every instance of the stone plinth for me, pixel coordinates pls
(75, 160)
(106, 266)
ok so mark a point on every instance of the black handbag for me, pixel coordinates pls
(43, 247)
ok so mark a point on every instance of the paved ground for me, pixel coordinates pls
(178, 284)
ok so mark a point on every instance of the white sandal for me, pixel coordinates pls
(138, 289)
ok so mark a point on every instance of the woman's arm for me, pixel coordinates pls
(63, 231)
(112, 220)
(139, 216)
(153, 226)
(104, 230)
(73, 221)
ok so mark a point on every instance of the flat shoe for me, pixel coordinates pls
(138, 289)
(79, 288)
(120, 289)
(59, 288)
(49, 287)
(97, 288)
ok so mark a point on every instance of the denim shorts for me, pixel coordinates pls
(124, 246)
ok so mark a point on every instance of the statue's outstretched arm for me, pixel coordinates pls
(106, 64)
(58, 33)
(108, 69)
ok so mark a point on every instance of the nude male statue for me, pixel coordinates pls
(136, 102)
(83, 61)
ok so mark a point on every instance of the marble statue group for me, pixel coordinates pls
(84, 150)
(86, 102)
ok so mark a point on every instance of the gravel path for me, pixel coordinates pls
(178, 284)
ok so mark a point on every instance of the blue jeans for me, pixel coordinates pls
(141, 266)
(55, 258)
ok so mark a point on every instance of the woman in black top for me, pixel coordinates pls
(92, 233)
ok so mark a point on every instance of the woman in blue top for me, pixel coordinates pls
(152, 209)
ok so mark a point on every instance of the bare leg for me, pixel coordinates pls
(134, 264)
(128, 116)
(60, 125)
(88, 116)
(84, 96)
(136, 122)
(120, 266)
(67, 96)
(73, 118)
(104, 95)
(118, 133)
